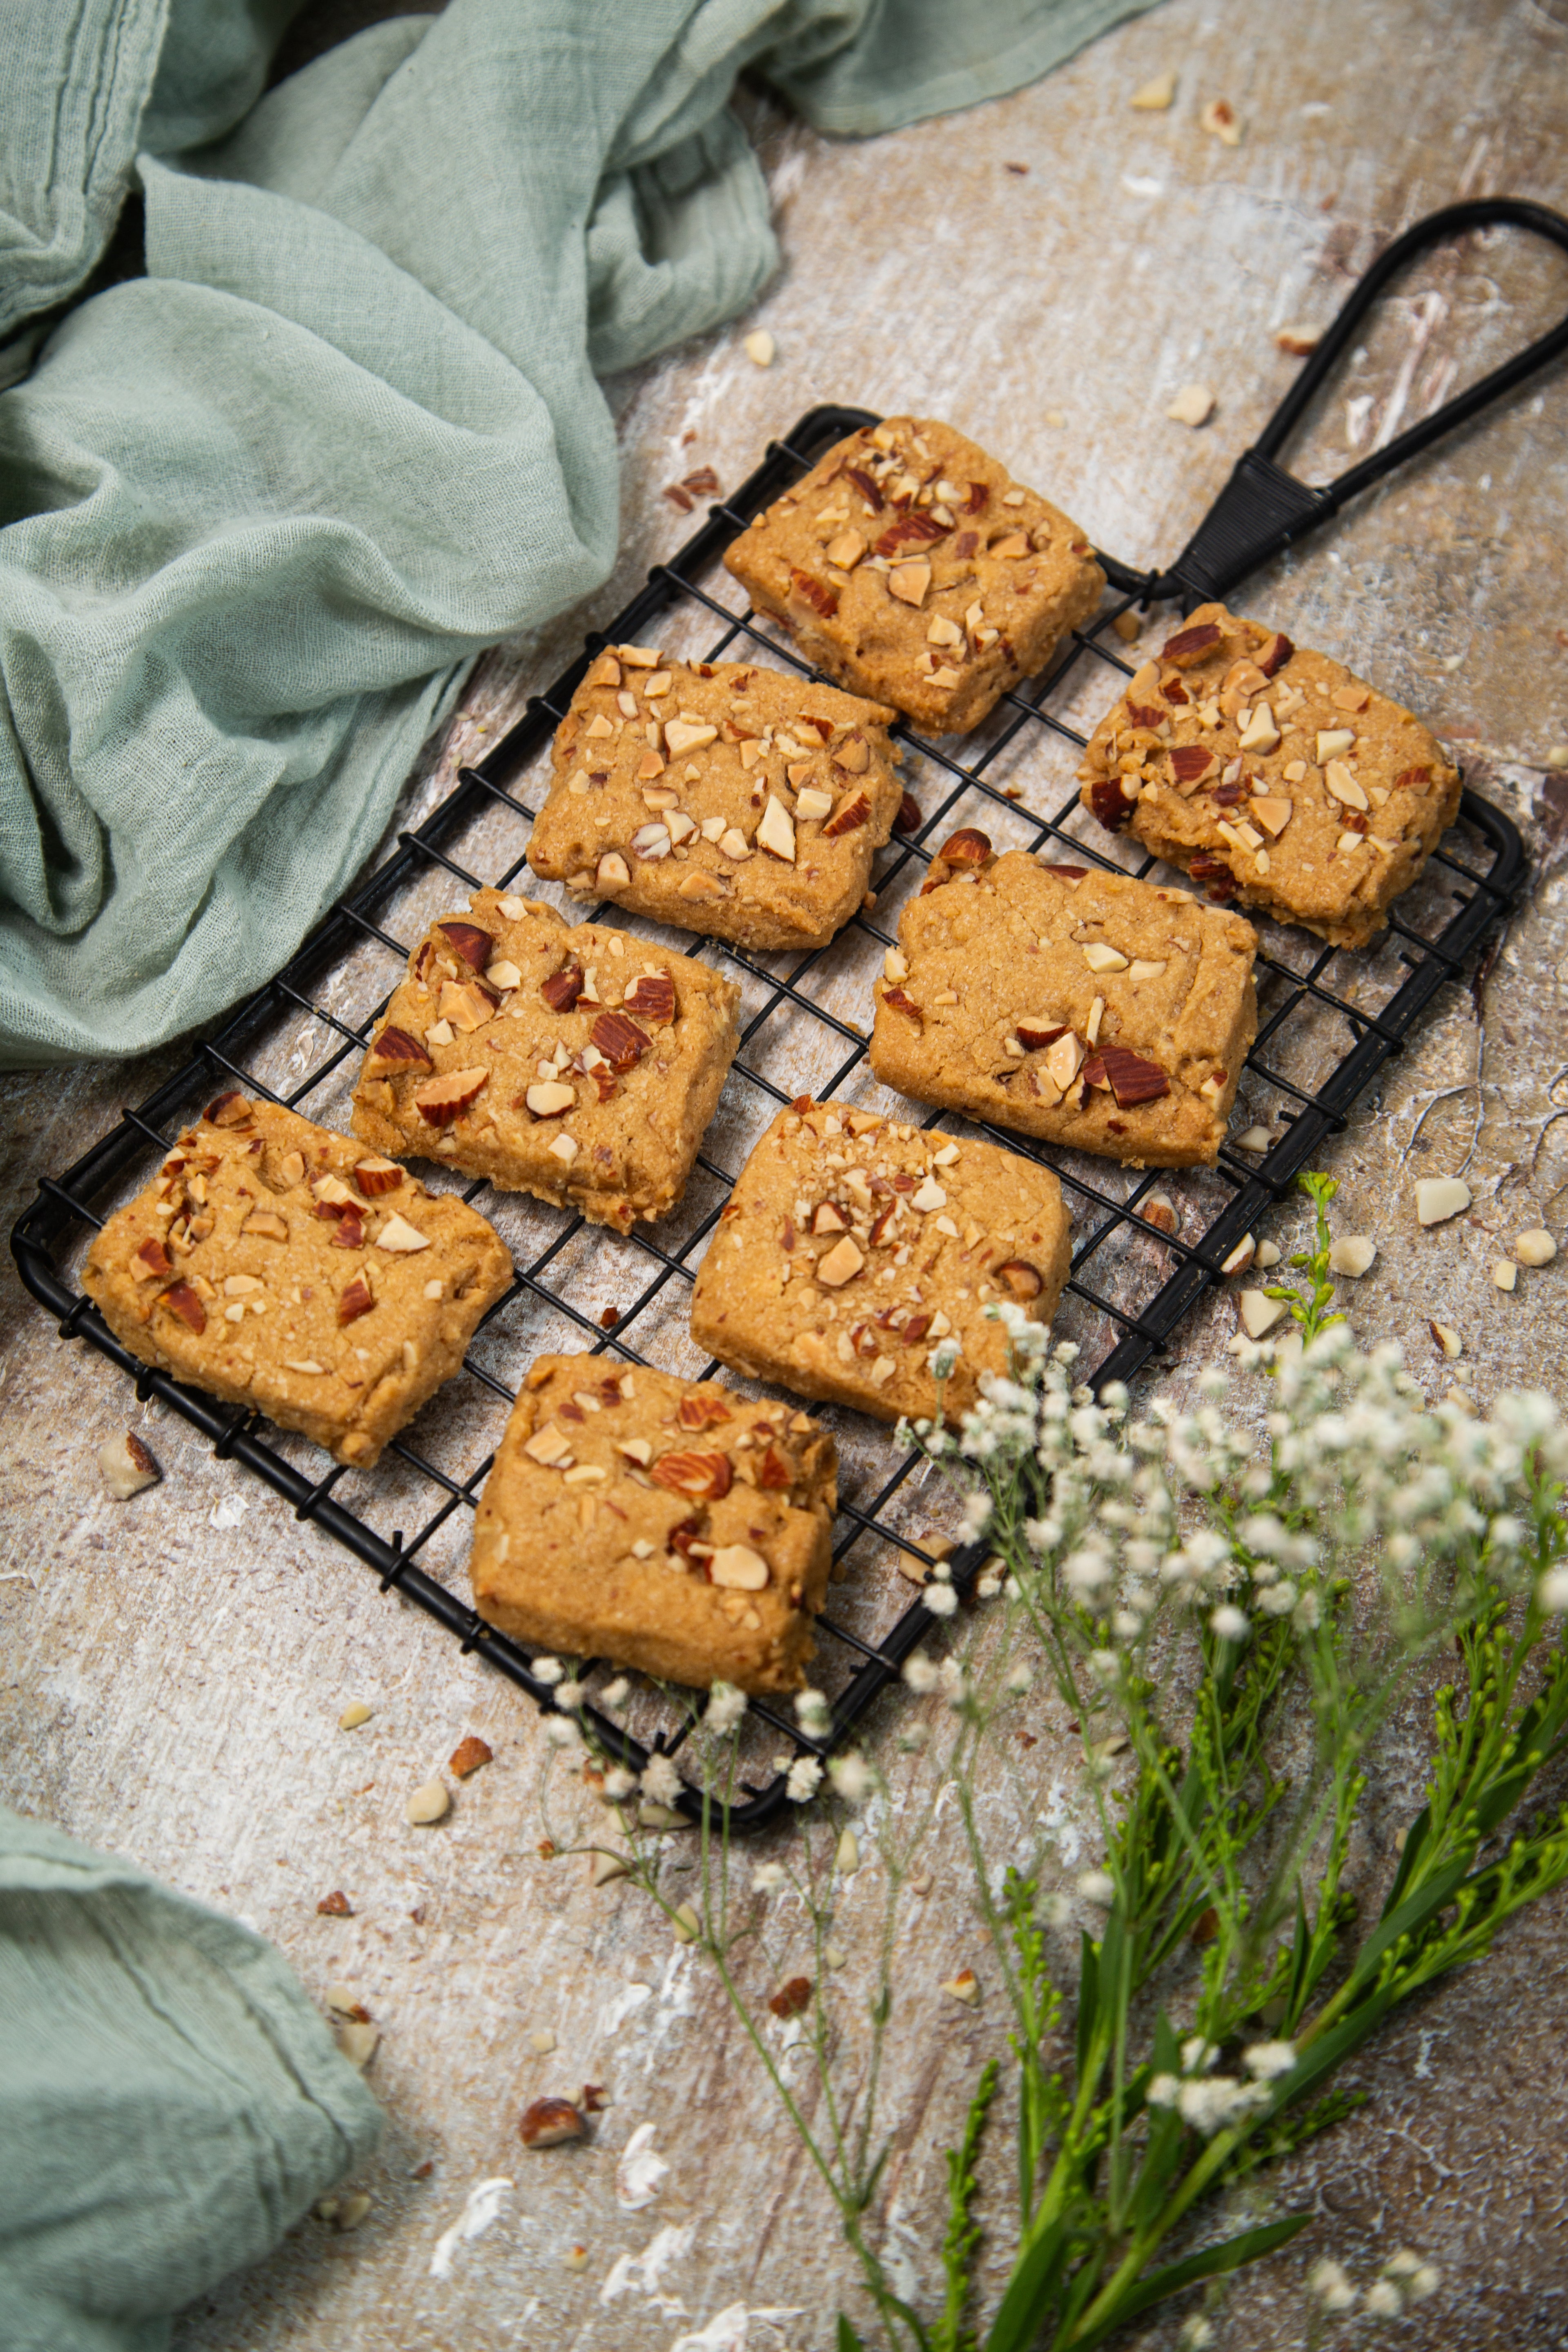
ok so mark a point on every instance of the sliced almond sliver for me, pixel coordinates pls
(399, 1237)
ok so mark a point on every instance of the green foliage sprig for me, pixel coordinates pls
(1229, 1621)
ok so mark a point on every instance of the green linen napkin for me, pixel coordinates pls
(170, 2101)
(259, 509)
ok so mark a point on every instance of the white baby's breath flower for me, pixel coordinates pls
(851, 1776)
(571, 1694)
(1126, 1625)
(987, 1587)
(1330, 2284)
(805, 1779)
(562, 1733)
(767, 1877)
(1097, 1886)
(619, 1783)
(1196, 2334)
(1277, 1600)
(813, 1710)
(660, 1781)
(1055, 1910)
(1308, 1614)
(1088, 1571)
(615, 1694)
(725, 1706)
(942, 1357)
(1163, 2091)
(1104, 1666)
(1198, 2056)
(1266, 2060)
(939, 1598)
(1211, 2102)
(1229, 1624)
(919, 1672)
(1506, 1531)
(1383, 2300)
(1552, 1592)
(1423, 2281)
(548, 1670)
(1019, 1678)
(975, 1517)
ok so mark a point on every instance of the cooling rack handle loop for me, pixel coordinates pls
(1262, 508)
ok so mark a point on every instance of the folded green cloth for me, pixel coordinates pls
(259, 509)
(170, 2101)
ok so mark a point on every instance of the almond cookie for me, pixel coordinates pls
(281, 1266)
(730, 800)
(571, 1063)
(852, 1245)
(1273, 775)
(664, 1523)
(1071, 1003)
(910, 566)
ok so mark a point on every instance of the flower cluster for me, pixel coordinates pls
(1191, 1508)
(1404, 2280)
(1212, 2102)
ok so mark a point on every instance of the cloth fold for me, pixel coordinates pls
(170, 2101)
(260, 509)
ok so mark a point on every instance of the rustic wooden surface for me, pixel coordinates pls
(175, 1666)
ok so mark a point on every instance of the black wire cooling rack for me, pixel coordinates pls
(1330, 1020)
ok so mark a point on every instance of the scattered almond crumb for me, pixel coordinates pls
(335, 1906)
(1535, 1247)
(1021, 171)
(1253, 1138)
(964, 1986)
(1438, 1198)
(1558, 756)
(352, 2210)
(921, 1883)
(1351, 1253)
(1298, 341)
(834, 1954)
(1505, 1274)
(543, 2040)
(759, 347)
(685, 1924)
(127, 1465)
(939, 1547)
(1194, 405)
(1267, 1253)
(1447, 1342)
(357, 2040)
(846, 1861)
(1058, 416)
(430, 1804)
(1258, 1312)
(1155, 96)
(576, 2258)
(469, 1755)
(1126, 626)
(1218, 119)
(353, 1715)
